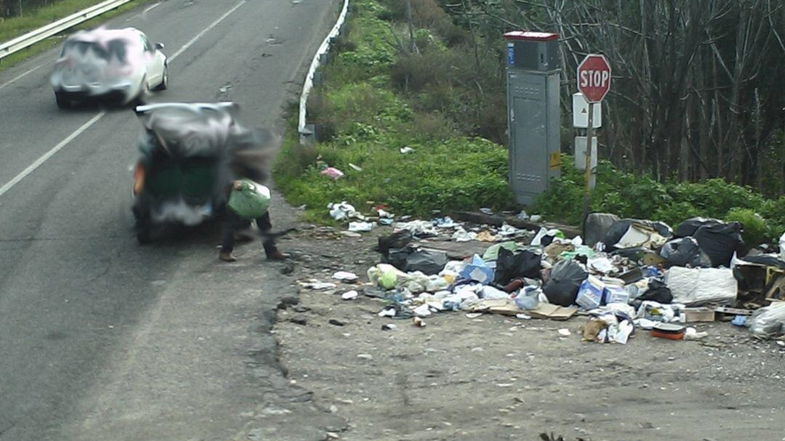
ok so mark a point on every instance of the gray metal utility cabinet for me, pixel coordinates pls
(533, 112)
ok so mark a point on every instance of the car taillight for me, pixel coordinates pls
(139, 174)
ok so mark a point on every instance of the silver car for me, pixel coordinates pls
(116, 65)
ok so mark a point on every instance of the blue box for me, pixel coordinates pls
(590, 293)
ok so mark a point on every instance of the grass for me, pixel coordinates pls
(13, 27)
(364, 120)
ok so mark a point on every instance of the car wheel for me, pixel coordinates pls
(144, 92)
(143, 227)
(62, 101)
(164, 84)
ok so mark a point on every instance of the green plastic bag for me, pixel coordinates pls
(251, 201)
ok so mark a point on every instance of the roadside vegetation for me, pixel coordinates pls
(433, 82)
(37, 17)
(384, 91)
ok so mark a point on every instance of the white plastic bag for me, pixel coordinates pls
(768, 321)
(699, 286)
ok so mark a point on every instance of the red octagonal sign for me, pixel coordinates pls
(594, 77)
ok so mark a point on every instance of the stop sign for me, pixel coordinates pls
(594, 77)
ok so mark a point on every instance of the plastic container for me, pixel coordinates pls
(669, 331)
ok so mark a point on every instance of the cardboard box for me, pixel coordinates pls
(615, 294)
(590, 293)
(700, 314)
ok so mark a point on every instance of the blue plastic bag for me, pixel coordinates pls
(478, 270)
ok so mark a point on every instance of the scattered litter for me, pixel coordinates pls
(417, 228)
(668, 331)
(422, 311)
(486, 236)
(345, 276)
(592, 329)
(445, 222)
(365, 356)
(350, 295)
(768, 321)
(529, 298)
(461, 235)
(361, 227)
(332, 172)
(316, 285)
(478, 270)
(389, 327)
(693, 334)
(387, 312)
(342, 211)
(625, 276)
(739, 320)
(355, 167)
(407, 150)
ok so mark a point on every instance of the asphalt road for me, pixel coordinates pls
(101, 339)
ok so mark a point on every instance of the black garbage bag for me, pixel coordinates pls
(639, 255)
(765, 259)
(398, 239)
(397, 256)
(429, 262)
(410, 259)
(691, 225)
(566, 278)
(684, 251)
(597, 226)
(657, 292)
(510, 265)
(720, 241)
(619, 228)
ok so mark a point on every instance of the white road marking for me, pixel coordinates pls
(200, 34)
(49, 154)
(38, 162)
(12, 80)
(151, 8)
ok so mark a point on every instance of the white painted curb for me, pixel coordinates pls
(308, 85)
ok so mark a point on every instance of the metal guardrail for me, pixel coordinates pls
(47, 31)
(305, 132)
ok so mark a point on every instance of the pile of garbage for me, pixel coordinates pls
(625, 274)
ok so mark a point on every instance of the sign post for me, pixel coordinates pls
(594, 82)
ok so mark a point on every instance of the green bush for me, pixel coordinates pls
(773, 210)
(640, 196)
(756, 231)
(714, 197)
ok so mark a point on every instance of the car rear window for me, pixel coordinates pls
(114, 48)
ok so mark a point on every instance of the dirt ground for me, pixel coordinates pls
(497, 377)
